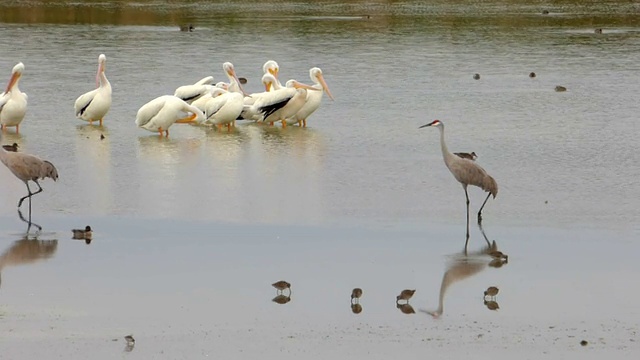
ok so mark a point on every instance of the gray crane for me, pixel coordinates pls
(466, 172)
(28, 167)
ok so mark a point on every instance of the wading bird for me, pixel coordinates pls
(464, 155)
(313, 99)
(405, 295)
(13, 102)
(356, 294)
(160, 113)
(281, 286)
(94, 105)
(223, 108)
(467, 173)
(28, 168)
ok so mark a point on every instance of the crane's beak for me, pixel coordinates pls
(425, 125)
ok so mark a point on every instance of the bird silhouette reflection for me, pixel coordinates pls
(405, 308)
(356, 308)
(27, 251)
(281, 299)
(462, 266)
(29, 222)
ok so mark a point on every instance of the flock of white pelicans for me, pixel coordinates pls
(204, 102)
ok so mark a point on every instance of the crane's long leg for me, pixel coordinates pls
(466, 244)
(27, 196)
(481, 207)
(485, 236)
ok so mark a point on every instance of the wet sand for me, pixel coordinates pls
(202, 289)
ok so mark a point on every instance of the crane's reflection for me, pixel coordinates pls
(27, 251)
(462, 266)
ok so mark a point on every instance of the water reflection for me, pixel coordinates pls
(93, 166)
(356, 308)
(27, 251)
(491, 305)
(462, 266)
(281, 299)
(405, 308)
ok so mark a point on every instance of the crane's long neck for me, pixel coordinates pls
(443, 145)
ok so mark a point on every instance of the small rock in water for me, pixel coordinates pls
(584, 343)
(532, 74)
(101, 137)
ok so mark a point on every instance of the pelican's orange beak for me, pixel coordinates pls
(325, 86)
(273, 72)
(14, 79)
(267, 86)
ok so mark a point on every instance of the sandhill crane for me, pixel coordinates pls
(28, 167)
(467, 173)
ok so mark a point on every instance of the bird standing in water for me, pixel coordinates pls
(467, 173)
(28, 168)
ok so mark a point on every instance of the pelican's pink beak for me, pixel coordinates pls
(14, 79)
(100, 69)
(325, 86)
(232, 72)
(299, 85)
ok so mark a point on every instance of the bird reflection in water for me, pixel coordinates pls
(405, 308)
(491, 305)
(27, 251)
(356, 308)
(462, 266)
(281, 299)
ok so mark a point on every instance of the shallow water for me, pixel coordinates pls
(191, 230)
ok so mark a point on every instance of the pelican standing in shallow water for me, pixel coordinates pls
(234, 83)
(277, 105)
(223, 108)
(95, 104)
(13, 102)
(313, 100)
(160, 113)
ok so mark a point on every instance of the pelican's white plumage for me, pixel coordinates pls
(276, 105)
(223, 108)
(160, 113)
(314, 98)
(191, 93)
(13, 102)
(272, 67)
(94, 105)
(202, 101)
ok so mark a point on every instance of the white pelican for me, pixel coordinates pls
(234, 83)
(202, 101)
(277, 105)
(313, 98)
(205, 81)
(223, 108)
(271, 67)
(95, 104)
(13, 102)
(162, 112)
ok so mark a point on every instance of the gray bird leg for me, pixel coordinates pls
(481, 207)
(466, 244)
(24, 197)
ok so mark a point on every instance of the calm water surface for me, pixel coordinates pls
(562, 161)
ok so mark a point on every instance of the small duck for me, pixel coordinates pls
(491, 291)
(281, 286)
(85, 234)
(532, 74)
(242, 80)
(356, 308)
(560, 88)
(406, 308)
(476, 76)
(356, 294)
(281, 299)
(187, 28)
(491, 305)
(545, 12)
(405, 295)
(598, 31)
(471, 156)
(129, 339)
(497, 263)
(13, 147)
